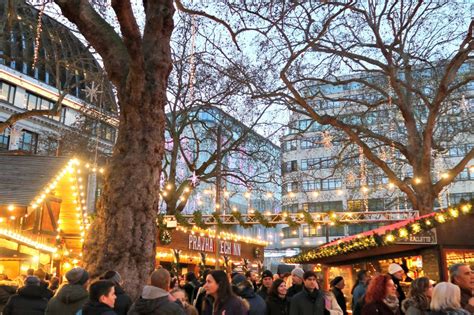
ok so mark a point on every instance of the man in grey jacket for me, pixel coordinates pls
(155, 298)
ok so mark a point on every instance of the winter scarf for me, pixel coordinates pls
(392, 303)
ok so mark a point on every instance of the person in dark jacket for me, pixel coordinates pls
(337, 285)
(243, 288)
(252, 277)
(30, 299)
(101, 299)
(358, 290)
(201, 292)
(220, 299)
(155, 299)
(71, 296)
(277, 301)
(191, 287)
(7, 289)
(380, 297)
(462, 276)
(41, 274)
(396, 273)
(123, 301)
(297, 280)
(310, 301)
(267, 280)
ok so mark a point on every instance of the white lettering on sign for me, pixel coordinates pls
(206, 244)
(202, 244)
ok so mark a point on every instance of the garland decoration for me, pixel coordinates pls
(165, 237)
(387, 238)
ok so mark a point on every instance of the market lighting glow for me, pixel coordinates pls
(417, 180)
(11, 207)
(20, 238)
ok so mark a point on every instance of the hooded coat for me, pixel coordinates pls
(155, 301)
(30, 300)
(6, 290)
(123, 301)
(256, 303)
(69, 299)
(413, 307)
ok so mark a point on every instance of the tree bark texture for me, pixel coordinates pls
(123, 236)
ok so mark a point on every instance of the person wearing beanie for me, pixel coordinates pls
(297, 280)
(28, 300)
(337, 285)
(72, 296)
(396, 273)
(267, 280)
(313, 301)
(123, 301)
(243, 288)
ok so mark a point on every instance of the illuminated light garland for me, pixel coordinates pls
(388, 237)
(23, 239)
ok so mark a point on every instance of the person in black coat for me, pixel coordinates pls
(191, 287)
(310, 301)
(337, 284)
(396, 272)
(277, 301)
(7, 289)
(267, 280)
(297, 280)
(30, 299)
(244, 288)
(123, 301)
(101, 299)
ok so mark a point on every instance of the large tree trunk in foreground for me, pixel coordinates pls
(123, 235)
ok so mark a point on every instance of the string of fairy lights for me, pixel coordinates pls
(387, 237)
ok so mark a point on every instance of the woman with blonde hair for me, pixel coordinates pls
(446, 300)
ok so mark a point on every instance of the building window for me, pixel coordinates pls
(466, 174)
(4, 139)
(458, 197)
(28, 141)
(310, 185)
(7, 92)
(293, 208)
(323, 206)
(331, 184)
(313, 231)
(34, 101)
(290, 145)
(317, 163)
(376, 204)
(290, 166)
(290, 232)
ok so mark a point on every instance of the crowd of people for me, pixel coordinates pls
(219, 293)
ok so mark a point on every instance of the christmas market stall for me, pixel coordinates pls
(194, 249)
(42, 213)
(425, 246)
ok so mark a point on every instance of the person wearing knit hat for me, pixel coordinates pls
(28, 299)
(123, 302)
(267, 280)
(396, 273)
(297, 280)
(337, 285)
(72, 296)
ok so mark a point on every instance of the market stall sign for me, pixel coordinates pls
(427, 237)
(207, 244)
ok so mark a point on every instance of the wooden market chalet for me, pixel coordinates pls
(42, 213)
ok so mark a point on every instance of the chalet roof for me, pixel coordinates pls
(22, 177)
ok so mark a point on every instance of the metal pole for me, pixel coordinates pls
(218, 189)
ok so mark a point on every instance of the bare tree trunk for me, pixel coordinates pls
(123, 235)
